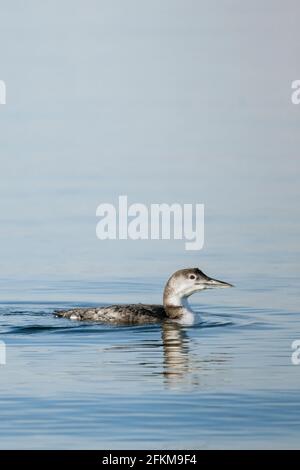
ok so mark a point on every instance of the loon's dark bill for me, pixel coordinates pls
(210, 282)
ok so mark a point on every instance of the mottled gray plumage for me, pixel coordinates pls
(127, 314)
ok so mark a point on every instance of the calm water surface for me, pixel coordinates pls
(226, 382)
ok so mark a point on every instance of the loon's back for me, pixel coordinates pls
(121, 314)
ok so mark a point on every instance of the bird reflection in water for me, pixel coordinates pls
(175, 351)
(184, 362)
(183, 367)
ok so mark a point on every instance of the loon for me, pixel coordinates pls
(179, 287)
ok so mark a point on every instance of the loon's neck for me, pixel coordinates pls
(177, 307)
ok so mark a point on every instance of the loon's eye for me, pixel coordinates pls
(192, 276)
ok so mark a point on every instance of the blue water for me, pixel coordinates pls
(174, 101)
(226, 382)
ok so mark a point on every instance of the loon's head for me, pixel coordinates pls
(186, 282)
